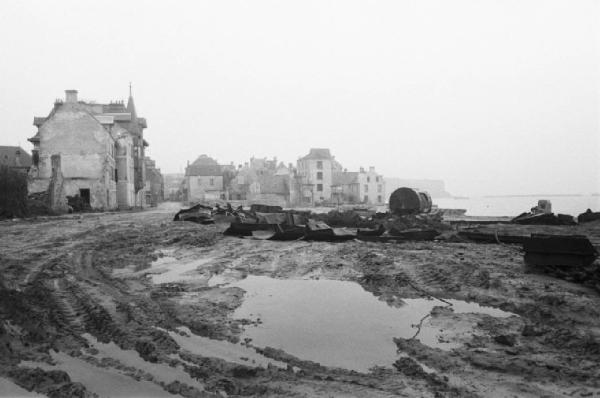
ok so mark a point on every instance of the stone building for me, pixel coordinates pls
(94, 151)
(15, 158)
(314, 176)
(262, 181)
(366, 187)
(155, 186)
(204, 181)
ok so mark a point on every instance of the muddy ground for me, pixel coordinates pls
(133, 304)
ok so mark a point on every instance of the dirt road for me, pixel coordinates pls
(133, 304)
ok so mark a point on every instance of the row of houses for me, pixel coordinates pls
(92, 151)
(317, 178)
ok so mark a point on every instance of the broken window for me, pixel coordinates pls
(85, 195)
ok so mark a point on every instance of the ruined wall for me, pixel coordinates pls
(86, 151)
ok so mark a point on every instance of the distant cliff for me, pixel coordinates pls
(436, 188)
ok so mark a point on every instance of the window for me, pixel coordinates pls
(366, 188)
(320, 164)
(36, 157)
(319, 175)
(379, 188)
(116, 175)
(320, 187)
(212, 181)
(366, 199)
(379, 199)
(368, 179)
(377, 179)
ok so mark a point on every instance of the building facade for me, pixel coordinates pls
(94, 151)
(365, 187)
(314, 176)
(204, 181)
(155, 186)
(15, 158)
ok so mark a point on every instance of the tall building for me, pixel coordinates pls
(94, 151)
(314, 176)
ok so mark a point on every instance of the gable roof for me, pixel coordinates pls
(9, 157)
(317, 153)
(204, 166)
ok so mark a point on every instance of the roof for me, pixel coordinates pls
(203, 170)
(317, 153)
(344, 178)
(9, 157)
(204, 166)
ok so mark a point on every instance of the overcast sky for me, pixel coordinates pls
(494, 97)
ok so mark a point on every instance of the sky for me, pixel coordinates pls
(493, 97)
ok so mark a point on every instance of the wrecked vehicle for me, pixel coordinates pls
(199, 213)
(543, 250)
(569, 257)
(543, 219)
(588, 216)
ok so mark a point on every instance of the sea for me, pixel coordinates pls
(496, 206)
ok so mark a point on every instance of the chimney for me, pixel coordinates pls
(18, 158)
(371, 169)
(71, 96)
(362, 170)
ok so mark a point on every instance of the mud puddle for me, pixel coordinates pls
(235, 353)
(160, 372)
(103, 381)
(169, 269)
(10, 389)
(337, 323)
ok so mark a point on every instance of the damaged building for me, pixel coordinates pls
(263, 181)
(361, 186)
(93, 151)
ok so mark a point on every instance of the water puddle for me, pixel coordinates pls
(160, 372)
(337, 323)
(170, 269)
(235, 353)
(103, 381)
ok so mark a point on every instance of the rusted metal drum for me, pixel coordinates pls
(410, 201)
